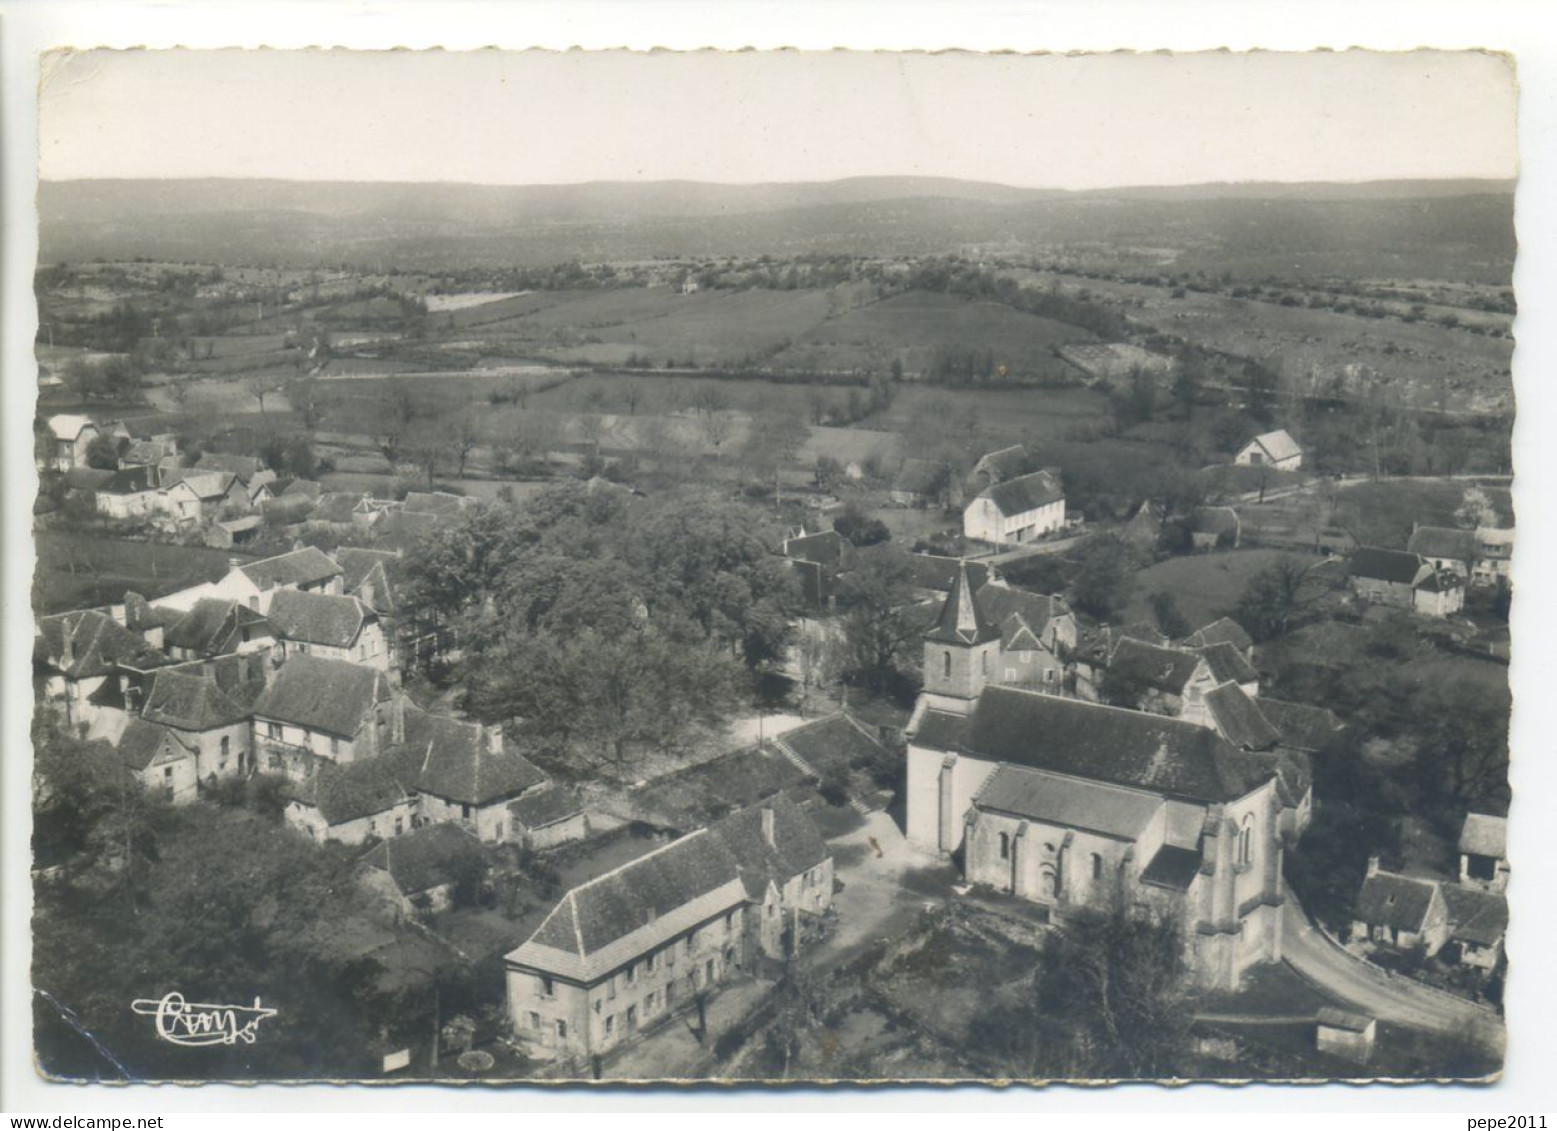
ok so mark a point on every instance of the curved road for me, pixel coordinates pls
(1369, 987)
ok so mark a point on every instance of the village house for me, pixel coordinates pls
(426, 871)
(1000, 465)
(66, 439)
(1067, 803)
(1016, 510)
(1162, 680)
(1478, 920)
(196, 498)
(230, 533)
(354, 802)
(817, 560)
(207, 707)
(1404, 580)
(1484, 851)
(76, 654)
(248, 470)
(1143, 532)
(1271, 449)
(154, 755)
(1215, 528)
(1095, 647)
(214, 627)
(1403, 912)
(1445, 548)
(635, 946)
(1022, 636)
(129, 493)
(1495, 556)
(308, 569)
(330, 626)
(467, 772)
(324, 709)
(546, 817)
(149, 453)
(1224, 630)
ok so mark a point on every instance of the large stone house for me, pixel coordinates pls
(214, 627)
(308, 569)
(1271, 449)
(468, 772)
(353, 802)
(78, 655)
(207, 706)
(1016, 510)
(330, 626)
(1445, 548)
(1405, 580)
(1495, 556)
(324, 709)
(1002, 464)
(633, 947)
(129, 493)
(1071, 804)
(199, 497)
(156, 757)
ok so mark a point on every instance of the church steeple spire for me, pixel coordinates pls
(962, 620)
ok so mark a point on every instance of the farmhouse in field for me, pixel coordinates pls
(65, 441)
(1064, 803)
(1271, 449)
(1404, 580)
(1016, 510)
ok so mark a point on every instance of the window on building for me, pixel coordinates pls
(610, 1025)
(399, 825)
(597, 1005)
(729, 922)
(611, 988)
(535, 1020)
(648, 964)
(983, 663)
(1097, 866)
(670, 955)
(1005, 847)
(651, 1003)
(548, 988)
(708, 971)
(272, 730)
(226, 748)
(1246, 840)
(632, 974)
(335, 746)
(562, 1030)
(632, 1017)
(946, 665)
(690, 941)
(1048, 675)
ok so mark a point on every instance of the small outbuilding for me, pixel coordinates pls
(1346, 1035)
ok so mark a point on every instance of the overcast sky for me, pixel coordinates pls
(540, 118)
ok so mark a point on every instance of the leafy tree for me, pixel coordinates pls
(1463, 752)
(1169, 619)
(1277, 597)
(103, 453)
(878, 637)
(860, 528)
(1104, 576)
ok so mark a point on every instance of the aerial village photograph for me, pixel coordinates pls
(772, 567)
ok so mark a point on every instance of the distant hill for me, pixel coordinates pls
(1434, 229)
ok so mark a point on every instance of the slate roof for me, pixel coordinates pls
(1166, 669)
(1239, 720)
(713, 788)
(1444, 542)
(333, 696)
(1089, 740)
(306, 566)
(317, 618)
(142, 742)
(1057, 800)
(427, 858)
(620, 916)
(1172, 867)
(205, 485)
(190, 701)
(935, 571)
(1025, 493)
(962, 620)
(336, 507)
(796, 847)
(1227, 663)
(1218, 631)
(1016, 609)
(1097, 645)
(380, 568)
(98, 643)
(1484, 835)
(291, 488)
(129, 481)
(455, 763)
(541, 808)
(1004, 462)
(1394, 566)
(1390, 900)
(241, 467)
(1279, 445)
(824, 548)
(87, 478)
(207, 627)
(1302, 727)
(349, 791)
(1476, 916)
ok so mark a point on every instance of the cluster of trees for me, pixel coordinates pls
(614, 626)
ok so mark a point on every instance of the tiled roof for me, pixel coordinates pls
(333, 696)
(207, 627)
(834, 742)
(1279, 444)
(1343, 1019)
(1227, 663)
(129, 481)
(428, 857)
(1172, 867)
(962, 620)
(335, 506)
(824, 548)
(796, 846)
(1166, 669)
(934, 571)
(1238, 718)
(375, 569)
(622, 915)
(317, 618)
(1025, 493)
(98, 644)
(456, 763)
(1391, 900)
(1004, 462)
(1444, 542)
(1302, 727)
(299, 567)
(713, 788)
(1218, 631)
(349, 791)
(1088, 740)
(190, 702)
(1066, 801)
(540, 808)
(1484, 835)
(143, 742)
(243, 467)
(205, 485)
(1395, 566)
(1016, 609)
(88, 478)
(1475, 916)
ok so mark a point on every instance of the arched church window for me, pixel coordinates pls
(1005, 847)
(1246, 840)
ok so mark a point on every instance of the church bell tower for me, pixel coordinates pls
(961, 651)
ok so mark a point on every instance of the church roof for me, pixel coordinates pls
(1099, 743)
(1227, 663)
(1239, 720)
(1058, 800)
(1172, 867)
(1302, 727)
(962, 620)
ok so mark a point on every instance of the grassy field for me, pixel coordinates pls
(80, 570)
(1383, 512)
(1205, 586)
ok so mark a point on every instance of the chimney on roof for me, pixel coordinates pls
(767, 827)
(495, 739)
(1373, 865)
(233, 563)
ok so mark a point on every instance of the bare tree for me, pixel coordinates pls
(717, 428)
(261, 386)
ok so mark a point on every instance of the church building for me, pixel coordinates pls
(1071, 804)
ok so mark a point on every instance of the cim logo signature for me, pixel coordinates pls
(196, 1023)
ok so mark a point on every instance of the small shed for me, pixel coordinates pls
(1347, 1035)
